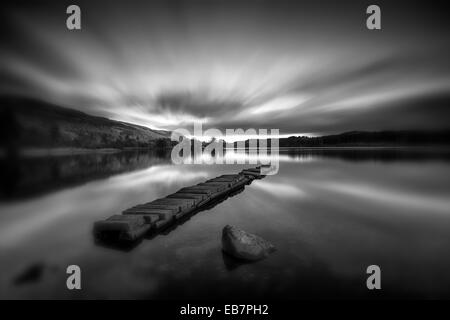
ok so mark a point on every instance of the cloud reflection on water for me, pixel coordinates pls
(280, 190)
(329, 217)
(396, 198)
(21, 220)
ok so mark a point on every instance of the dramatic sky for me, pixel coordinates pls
(301, 67)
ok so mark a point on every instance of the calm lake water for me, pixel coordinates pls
(330, 213)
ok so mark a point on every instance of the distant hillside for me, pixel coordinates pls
(36, 124)
(31, 123)
(370, 139)
(365, 138)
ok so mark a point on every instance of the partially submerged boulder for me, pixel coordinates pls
(244, 245)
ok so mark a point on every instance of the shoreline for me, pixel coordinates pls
(45, 152)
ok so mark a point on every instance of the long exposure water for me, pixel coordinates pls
(330, 213)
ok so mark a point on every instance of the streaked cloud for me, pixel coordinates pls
(278, 104)
(298, 67)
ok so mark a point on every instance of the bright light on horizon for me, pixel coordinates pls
(234, 138)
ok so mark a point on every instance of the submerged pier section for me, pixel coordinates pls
(134, 223)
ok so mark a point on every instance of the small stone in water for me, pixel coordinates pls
(244, 245)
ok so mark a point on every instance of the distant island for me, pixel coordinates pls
(29, 123)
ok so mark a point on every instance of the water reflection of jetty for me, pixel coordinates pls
(161, 214)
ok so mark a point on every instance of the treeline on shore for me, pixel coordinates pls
(364, 138)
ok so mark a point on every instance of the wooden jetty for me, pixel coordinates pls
(134, 223)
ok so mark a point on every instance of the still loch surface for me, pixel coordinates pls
(330, 213)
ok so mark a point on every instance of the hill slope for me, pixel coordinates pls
(31, 123)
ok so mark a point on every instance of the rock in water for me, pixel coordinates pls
(244, 245)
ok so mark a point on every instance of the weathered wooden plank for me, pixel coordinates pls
(213, 186)
(146, 210)
(151, 209)
(166, 216)
(130, 227)
(152, 215)
(246, 172)
(177, 196)
(182, 203)
(161, 224)
(166, 202)
(161, 213)
(228, 177)
(186, 203)
(223, 185)
(182, 195)
(231, 176)
(217, 183)
(228, 183)
(197, 190)
(171, 208)
(121, 222)
(180, 215)
(222, 180)
(204, 186)
(151, 218)
(241, 177)
(200, 196)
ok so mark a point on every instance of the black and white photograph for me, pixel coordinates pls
(224, 150)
